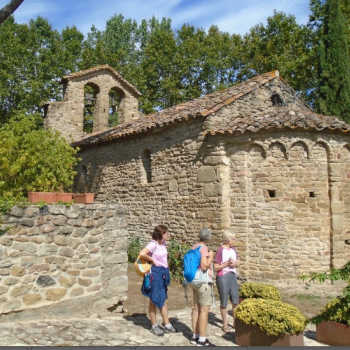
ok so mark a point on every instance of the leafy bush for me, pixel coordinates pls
(259, 290)
(176, 252)
(33, 159)
(337, 309)
(133, 249)
(272, 316)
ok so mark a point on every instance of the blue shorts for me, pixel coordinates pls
(228, 287)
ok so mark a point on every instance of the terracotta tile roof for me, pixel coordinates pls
(199, 107)
(280, 118)
(208, 104)
(98, 69)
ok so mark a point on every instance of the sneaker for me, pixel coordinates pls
(204, 343)
(194, 340)
(170, 329)
(156, 330)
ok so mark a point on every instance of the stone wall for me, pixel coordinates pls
(186, 187)
(282, 208)
(59, 261)
(173, 196)
(284, 193)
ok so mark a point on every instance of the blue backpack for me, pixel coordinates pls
(192, 260)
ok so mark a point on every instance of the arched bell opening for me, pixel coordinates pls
(91, 93)
(116, 97)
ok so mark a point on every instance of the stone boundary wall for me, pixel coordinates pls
(58, 261)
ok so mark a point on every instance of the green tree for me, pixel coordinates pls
(334, 65)
(92, 50)
(33, 159)
(283, 45)
(220, 60)
(70, 50)
(33, 58)
(162, 85)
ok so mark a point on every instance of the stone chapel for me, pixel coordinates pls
(253, 159)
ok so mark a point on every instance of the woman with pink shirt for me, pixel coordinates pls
(225, 263)
(156, 253)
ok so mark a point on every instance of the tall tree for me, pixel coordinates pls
(9, 9)
(283, 45)
(33, 58)
(162, 84)
(93, 53)
(334, 64)
(220, 60)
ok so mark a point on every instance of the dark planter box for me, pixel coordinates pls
(252, 335)
(333, 333)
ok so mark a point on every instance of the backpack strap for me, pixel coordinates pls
(155, 248)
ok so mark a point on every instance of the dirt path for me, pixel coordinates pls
(138, 304)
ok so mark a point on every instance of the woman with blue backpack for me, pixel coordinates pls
(202, 293)
(156, 253)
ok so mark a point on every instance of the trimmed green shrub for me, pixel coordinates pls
(337, 310)
(259, 290)
(272, 316)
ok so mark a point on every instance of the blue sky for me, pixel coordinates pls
(233, 16)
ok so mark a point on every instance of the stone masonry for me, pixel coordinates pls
(253, 159)
(63, 260)
(67, 115)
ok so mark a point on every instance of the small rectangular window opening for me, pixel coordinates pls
(312, 194)
(272, 193)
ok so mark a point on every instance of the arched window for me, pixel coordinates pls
(91, 92)
(114, 102)
(146, 167)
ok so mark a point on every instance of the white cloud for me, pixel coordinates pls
(233, 16)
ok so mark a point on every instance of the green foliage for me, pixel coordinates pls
(66, 204)
(3, 231)
(338, 309)
(133, 249)
(282, 44)
(34, 57)
(169, 66)
(272, 316)
(33, 159)
(334, 66)
(332, 275)
(176, 252)
(259, 290)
